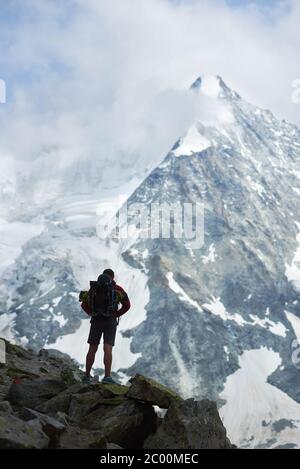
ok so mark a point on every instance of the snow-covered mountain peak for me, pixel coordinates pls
(213, 86)
(214, 112)
(226, 122)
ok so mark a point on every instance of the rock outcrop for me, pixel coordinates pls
(42, 407)
(180, 428)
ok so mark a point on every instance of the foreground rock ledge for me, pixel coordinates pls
(43, 404)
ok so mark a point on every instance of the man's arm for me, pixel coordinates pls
(125, 302)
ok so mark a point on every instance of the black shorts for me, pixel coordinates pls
(105, 326)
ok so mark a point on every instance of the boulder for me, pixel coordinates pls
(107, 390)
(126, 424)
(76, 393)
(16, 434)
(33, 393)
(190, 424)
(78, 438)
(70, 376)
(148, 390)
(60, 402)
(18, 351)
(16, 373)
(50, 426)
(83, 403)
(43, 353)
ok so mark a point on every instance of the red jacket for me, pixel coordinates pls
(123, 299)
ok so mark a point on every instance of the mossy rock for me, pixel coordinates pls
(67, 376)
(17, 350)
(111, 401)
(99, 443)
(10, 348)
(13, 372)
(126, 424)
(17, 434)
(109, 390)
(83, 404)
(148, 390)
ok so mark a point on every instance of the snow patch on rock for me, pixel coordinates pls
(193, 142)
(182, 295)
(295, 323)
(217, 308)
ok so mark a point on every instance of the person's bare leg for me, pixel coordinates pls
(90, 358)
(107, 359)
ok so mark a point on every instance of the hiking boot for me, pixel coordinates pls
(108, 380)
(86, 380)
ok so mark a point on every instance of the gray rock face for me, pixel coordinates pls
(84, 403)
(79, 438)
(23, 366)
(16, 434)
(44, 290)
(50, 426)
(190, 425)
(209, 307)
(34, 393)
(252, 235)
(127, 423)
(59, 403)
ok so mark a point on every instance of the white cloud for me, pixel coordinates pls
(107, 79)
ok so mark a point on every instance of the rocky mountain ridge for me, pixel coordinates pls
(43, 404)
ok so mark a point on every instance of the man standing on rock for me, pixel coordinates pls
(102, 302)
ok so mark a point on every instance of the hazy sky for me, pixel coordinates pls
(260, 3)
(108, 78)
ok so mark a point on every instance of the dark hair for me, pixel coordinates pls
(109, 272)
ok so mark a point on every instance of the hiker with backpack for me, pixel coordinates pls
(101, 302)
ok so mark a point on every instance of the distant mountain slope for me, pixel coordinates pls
(238, 294)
